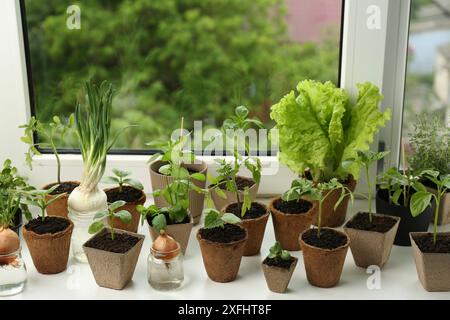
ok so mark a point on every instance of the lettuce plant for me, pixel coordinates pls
(320, 127)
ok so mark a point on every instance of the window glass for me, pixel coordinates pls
(171, 58)
(428, 72)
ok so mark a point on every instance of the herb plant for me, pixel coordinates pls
(319, 127)
(277, 252)
(109, 215)
(215, 219)
(431, 143)
(407, 185)
(233, 127)
(319, 193)
(442, 183)
(121, 178)
(40, 199)
(49, 133)
(11, 200)
(365, 159)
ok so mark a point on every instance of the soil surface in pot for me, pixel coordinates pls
(49, 225)
(128, 194)
(379, 224)
(329, 239)
(292, 207)
(241, 183)
(122, 242)
(227, 234)
(425, 243)
(256, 210)
(64, 187)
(278, 262)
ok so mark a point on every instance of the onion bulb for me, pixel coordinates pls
(9, 243)
(166, 247)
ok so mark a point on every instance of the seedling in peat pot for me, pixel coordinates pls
(320, 192)
(442, 183)
(121, 178)
(214, 219)
(227, 172)
(48, 132)
(366, 159)
(109, 214)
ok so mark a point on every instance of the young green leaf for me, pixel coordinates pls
(230, 218)
(123, 215)
(159, 222)
(95, 227)
(116, 205)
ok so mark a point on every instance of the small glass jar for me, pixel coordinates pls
(13, 273)
(80, 234)
(165, 269)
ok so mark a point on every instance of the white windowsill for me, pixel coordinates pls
(398, 278)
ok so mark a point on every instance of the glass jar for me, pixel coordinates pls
(80, 234)
(13, 273)
(165, 269)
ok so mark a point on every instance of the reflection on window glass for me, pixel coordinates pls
(171, 58)
(428, 74)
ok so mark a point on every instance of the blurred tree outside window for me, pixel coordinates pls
(170, 58)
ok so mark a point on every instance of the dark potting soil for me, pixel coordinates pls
(278, 262)
(256, 210)
(64, 187)
(128, 194)
(292, 207)
(122, 242)
(227, 234)
(425, 243)
(379, 224)
(48, 225)
(329, 239)
(241, 183)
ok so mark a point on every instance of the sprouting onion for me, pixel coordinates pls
(93, 124)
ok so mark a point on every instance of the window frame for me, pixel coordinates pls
(355, 66)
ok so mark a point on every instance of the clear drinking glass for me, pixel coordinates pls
(13, 273)
(165, 273)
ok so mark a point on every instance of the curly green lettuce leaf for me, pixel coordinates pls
(365, 121)
(310, 127)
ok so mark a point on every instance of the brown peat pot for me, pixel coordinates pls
(219, 202)
(324, 266)
(181, 232)
(222, 260)
(408, 223)
(160, 181)
(129, 206)
(335, 218)
(432, 267)
(49, 251)
(278, 278)
(113, 270)
(371, 247)
(255, 227)
(289, 226)
(59, 207)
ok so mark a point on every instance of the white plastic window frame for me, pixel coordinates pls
(374, 46)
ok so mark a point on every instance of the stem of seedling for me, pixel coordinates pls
(319, 218)
(405, 202)
(369, 193)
